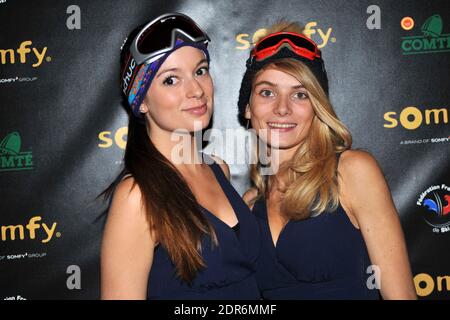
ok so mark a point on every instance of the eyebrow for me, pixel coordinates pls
(265, 82)
(176, 69)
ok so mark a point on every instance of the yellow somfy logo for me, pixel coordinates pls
(32, 230)
(321, 36)
(23, 54)
(426, 284)
(412, 117)
(108, 138)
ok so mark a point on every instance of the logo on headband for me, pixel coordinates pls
(128, 76)
(138, 81)
(140, 86)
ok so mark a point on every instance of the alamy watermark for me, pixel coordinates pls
(242, 147)
(374, 279)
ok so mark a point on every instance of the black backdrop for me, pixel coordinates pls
(62, 127)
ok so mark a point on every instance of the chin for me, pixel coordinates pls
(281, 146)
(199, 124)
(283, 143)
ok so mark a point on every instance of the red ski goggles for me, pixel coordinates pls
(298, 43)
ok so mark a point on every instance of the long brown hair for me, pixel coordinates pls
(172, 211)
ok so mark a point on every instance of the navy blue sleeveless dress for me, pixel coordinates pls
(230, 271)
(322, 257)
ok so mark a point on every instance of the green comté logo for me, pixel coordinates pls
(432, 40)
(11, 159)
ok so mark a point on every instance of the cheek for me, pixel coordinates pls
(305, 117)
(304, 112)
(163, 105)
(260, 110)
(164, 99)
(261, 103)
(208, 87)
(259, 114)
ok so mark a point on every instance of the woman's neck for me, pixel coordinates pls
(280, 159)
(180, 148)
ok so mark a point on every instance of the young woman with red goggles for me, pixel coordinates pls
(329, 226)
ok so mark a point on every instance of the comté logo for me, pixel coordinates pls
(432, 40)
(24, 54)
(11, 159)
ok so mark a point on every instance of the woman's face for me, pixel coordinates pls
(181, 93)
(280, 104)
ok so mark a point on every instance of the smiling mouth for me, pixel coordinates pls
(197, 111)
(198, 108)
(278, 125)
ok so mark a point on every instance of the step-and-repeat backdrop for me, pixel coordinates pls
(63, 129)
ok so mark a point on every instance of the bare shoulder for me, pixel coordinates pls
(362, 184)
(223, 165)
(127, 211)
(128, 194)
(358, 164)
(358, 158)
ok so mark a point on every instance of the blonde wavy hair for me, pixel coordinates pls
(312, 185)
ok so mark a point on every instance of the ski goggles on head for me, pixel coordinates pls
(298, 43)
(147, 48)
(160, 36)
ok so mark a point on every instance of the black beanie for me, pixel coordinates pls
(316, 66)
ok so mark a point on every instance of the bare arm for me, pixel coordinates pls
(127, 246)
(368, 200)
